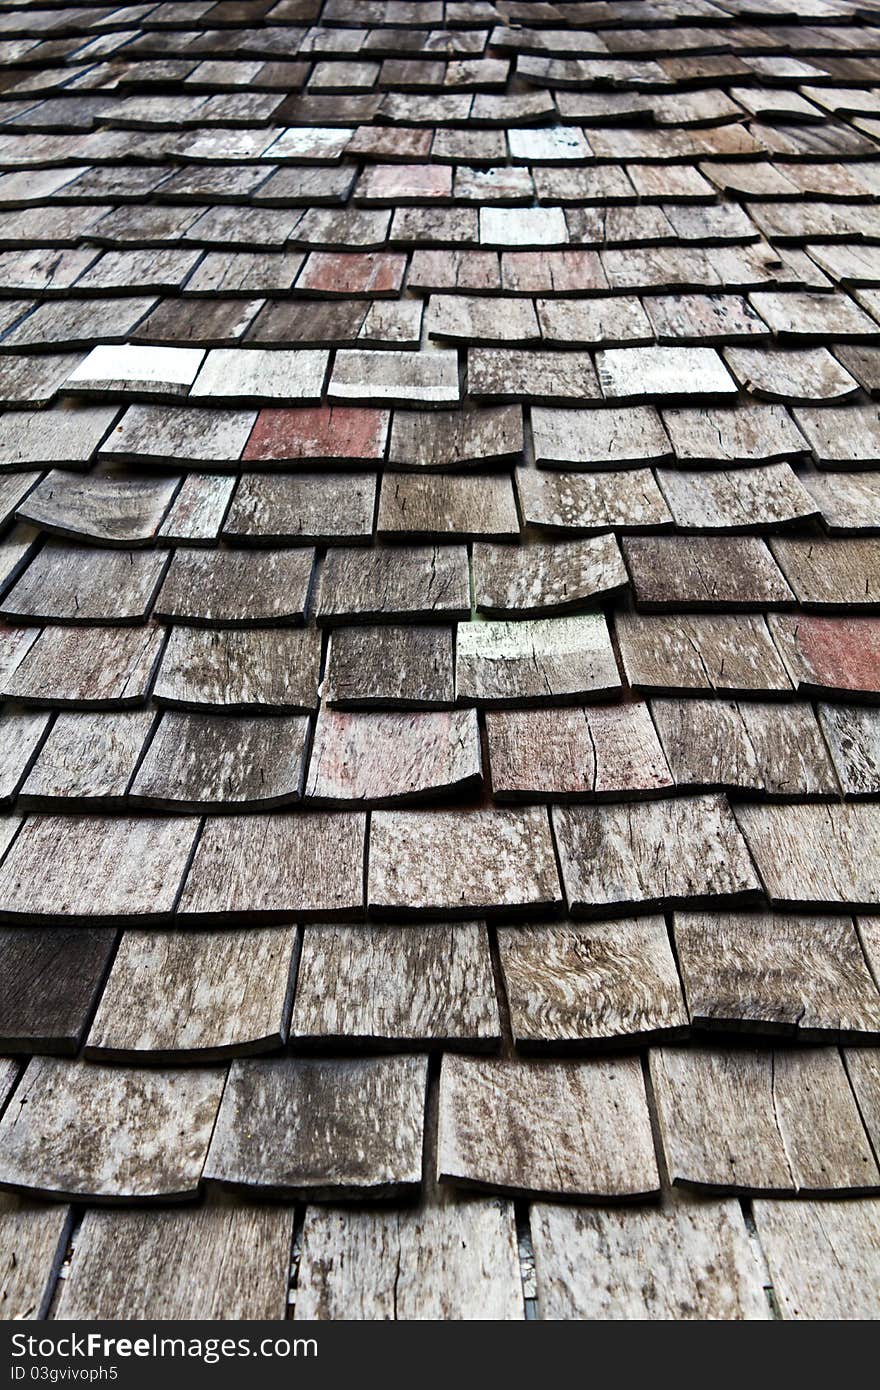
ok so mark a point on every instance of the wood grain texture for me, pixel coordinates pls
(351, 1127)
(535, 659)
(102, 869)
(239, 671)
(105, 1134)
(444, 439)
(863, 1070)
(461, 862)
(390, 583)
(829, 655)
(729, 653)
(736, 499)
(774, 973)
(760, 1120)
(606, 438)
(454, 1260)
(721, 434)
(284, 865)
(831, 574)
(598, 501)
(448, 505)
(88, 760)
(196, 514)
(33, 1241)
(236, 588)
(848, 502)
(397, 667)
(593, 751)
(546, 577)
(52, 978)
(816, 856)
(298, 508)
(208, 1262)
(388, 985)
(205, 761)
(567, 1129)
(384, 757)
(90, 668)
(824, 1257)
(573, 986)
(81, 584)
(176, 996)
(21, 733)
(662, 852)
(773, 750)
(591, 1263)
(716, 573)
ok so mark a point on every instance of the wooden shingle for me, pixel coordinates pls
(301, 508)
(449, 506)
(100, 868)
(236, 588)
(33, 1243)
(393, 583)
(671, 851)
(395, 986)
(109, 507)
(573, 986)
(830, 574)
(765, 748)
(590, 1263)
(410, 1264)
(599, 501)
(196, 761)
(21, 733)
(399, 667)
(776, 973)
(822, 1256)
(535, 660)
(91, 669)
(729, 653)
(177, 996)
(318, 434)
(590, 751)
(608, 438)
(196, 514)
(179, 434)
(852, 733)
(53, 977)
(239, 670)
(352, 1127)
(461, 863)
(389, 756)
(738, 434)
(452, 439)
(817, 855)
(829, 656)
(544, 578)
(557, 1129)
(284, 865)
(79, 584)
(717, 573)
(209, 1262)
(736, 499)
(760, 1120)
(88, 759)
(108, 1134)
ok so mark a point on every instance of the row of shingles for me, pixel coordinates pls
(569, 988)
(753, 1120)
